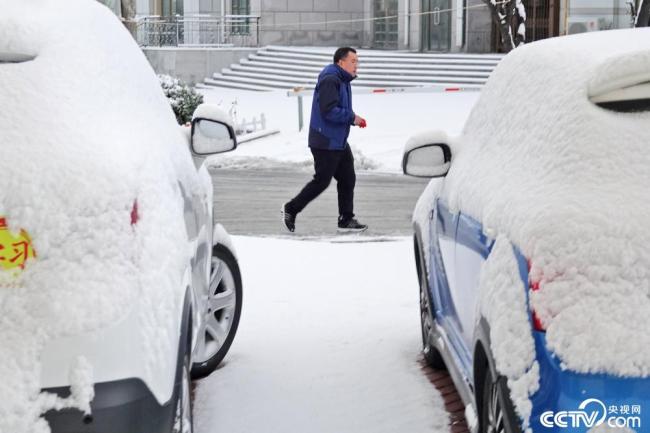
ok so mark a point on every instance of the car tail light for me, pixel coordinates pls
(534, 286)
(134, 213)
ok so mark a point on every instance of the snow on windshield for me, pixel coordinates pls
(86, 132)
(567, 182)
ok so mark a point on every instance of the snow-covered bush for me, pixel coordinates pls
(183, 98)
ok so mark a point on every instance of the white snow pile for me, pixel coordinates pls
(502, 301)
(85, 133)
(342, 353)
(567, 182)
(299, 161)
(391, 119)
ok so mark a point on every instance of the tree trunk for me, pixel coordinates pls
(642, 14)
(128, 9)
(128, 16)
(510, 17)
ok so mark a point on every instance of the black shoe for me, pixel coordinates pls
(351, 225)
(288, 219)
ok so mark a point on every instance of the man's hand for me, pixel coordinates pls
(359, 121)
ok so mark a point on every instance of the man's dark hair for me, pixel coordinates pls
(342, 53)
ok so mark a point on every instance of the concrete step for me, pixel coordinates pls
(329, 51)
(365, 73)
(288, 75)
(377, 59)
(247, 63)
(269, 84)
(236, 83)
(281, 82)
(287, 61)
(211, 83)
(274, 67)
(366, 68)
(276, 77)
(372, 65)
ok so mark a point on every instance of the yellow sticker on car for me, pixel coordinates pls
(15, 249)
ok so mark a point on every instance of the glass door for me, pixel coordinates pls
(436, 25)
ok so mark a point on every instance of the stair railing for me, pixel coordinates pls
(198, 31)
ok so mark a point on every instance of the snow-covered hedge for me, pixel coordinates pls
(183, 98)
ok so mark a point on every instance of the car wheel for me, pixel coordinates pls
(494, 411)
(183, 418)
(222, 315)
(432, 356)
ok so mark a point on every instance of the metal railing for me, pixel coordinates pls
(199, 30)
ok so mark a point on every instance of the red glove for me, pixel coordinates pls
(362, 124)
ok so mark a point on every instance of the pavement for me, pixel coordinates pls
(248, 202)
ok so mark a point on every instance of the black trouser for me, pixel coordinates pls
(328, 164)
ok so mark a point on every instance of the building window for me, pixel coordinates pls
(172, 8)
(241, 7)
(240, 26)
(385, 30)
(587, 16)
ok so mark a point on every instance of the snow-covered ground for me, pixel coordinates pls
(329, 341)
(392, 118)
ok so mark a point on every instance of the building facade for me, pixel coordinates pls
(416, 25)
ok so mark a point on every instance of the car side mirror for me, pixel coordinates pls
(212, 131)
(427, 155)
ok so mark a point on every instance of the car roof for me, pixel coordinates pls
(83, 101)
(75, 78)
(86, 116)
(536, 151)
(589, 64)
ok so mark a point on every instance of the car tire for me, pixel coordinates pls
(431, 354)
(183, 419)
(497, 412)
(222, 316)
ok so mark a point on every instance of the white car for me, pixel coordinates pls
(116, 286)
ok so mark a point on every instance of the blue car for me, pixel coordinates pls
(528, 248)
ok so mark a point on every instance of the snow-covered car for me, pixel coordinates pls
(532, 241)
(116, 286)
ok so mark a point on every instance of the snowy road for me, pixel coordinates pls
(328, 343)
(329, 340)
(248, 202)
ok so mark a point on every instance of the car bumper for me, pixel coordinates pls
(125, 406)
(569, 402)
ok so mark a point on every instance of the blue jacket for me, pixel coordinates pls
(331, 110)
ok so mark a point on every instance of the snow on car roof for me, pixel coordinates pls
(568, 182)
(85, 133)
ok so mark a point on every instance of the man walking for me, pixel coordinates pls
(331, 118)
